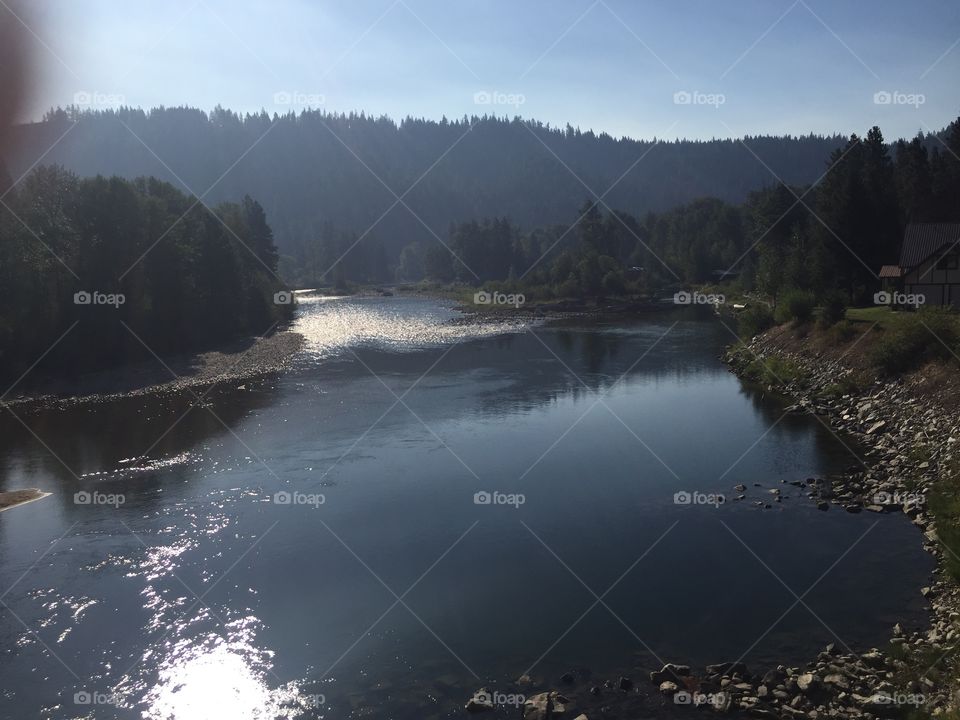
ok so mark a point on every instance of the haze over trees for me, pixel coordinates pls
(492, 200)
(332, 181)
(834, 235)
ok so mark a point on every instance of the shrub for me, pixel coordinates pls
(772, 371)
(796, 305)
(613, 283)
(754, 320)
(842, 332)
(929, 335)
(834, 309)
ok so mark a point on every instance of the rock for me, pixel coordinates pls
(837, 680)
(823, 505)
(736, 668)
(873, 659)
(581, 716)
(875, 508)
(668, 688)
(625, 683)
(852, 508)
(774, 677)
(876, 426)
(595, 691)
(544, 706)
(567, 678)
(740, 488)
(524, 680)
(808, 682)
(482, 701)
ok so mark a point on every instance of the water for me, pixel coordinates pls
(381, 588)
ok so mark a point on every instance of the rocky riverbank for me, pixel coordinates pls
(907, 443)
(232, 363)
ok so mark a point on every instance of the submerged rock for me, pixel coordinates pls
(545, 706)
(482, 701)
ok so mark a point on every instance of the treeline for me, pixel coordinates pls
(315, 170)
(829, 236)
(108, 252)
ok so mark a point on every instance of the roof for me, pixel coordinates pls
(922, 240)
(891, 271)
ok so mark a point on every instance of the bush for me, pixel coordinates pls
(613, 283)
(842, 332)
(754, 320)
(772, 371)
(929, 335)
(834, 309)
(796, 305)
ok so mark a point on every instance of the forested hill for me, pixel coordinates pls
(314, 169)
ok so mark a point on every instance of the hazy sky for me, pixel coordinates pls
(665, 68)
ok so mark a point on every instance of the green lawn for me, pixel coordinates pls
(880, 314)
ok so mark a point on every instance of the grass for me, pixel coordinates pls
(944, 504)
(772, 371)
(856, 383)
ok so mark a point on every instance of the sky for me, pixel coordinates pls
(638, 68)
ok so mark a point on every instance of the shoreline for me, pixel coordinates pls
(898, 680)
(14, 498)
(238, 361)
(905, 439)
(880, 417)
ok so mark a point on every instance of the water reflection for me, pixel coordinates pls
(202, 597)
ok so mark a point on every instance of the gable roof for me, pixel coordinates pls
(921, 240)
(891, 271)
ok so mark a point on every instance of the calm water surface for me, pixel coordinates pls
(312, 545)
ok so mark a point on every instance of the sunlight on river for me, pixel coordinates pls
(219, 678)
(331, 324)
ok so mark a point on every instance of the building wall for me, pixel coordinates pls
(939, 287)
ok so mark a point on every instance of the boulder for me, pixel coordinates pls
(482, 701)
(735, 668)
(808, 682)
(545, 706)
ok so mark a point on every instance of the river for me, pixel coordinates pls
(419, 508)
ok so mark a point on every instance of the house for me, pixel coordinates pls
(929, 269)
